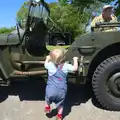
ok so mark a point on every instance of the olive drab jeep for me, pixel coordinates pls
(22, 54)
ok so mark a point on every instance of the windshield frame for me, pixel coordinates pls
(32, 5)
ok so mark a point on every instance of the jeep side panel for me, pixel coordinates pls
(90, 45)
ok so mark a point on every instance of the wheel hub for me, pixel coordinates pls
(114, 84)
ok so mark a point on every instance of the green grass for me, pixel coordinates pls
(50, 47)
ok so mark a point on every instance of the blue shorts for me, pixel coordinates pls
(55, 95)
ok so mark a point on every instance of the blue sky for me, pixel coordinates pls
(8, 9)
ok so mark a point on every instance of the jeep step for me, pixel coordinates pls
(4, 83)
(29, 73)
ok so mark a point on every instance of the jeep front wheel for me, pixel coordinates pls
(106, 83)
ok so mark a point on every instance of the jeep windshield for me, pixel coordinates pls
(38, 10)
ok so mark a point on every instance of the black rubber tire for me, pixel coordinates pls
(100, 77)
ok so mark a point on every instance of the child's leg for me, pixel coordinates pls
(47, 105)
(60, 110)
(60, 113)
(47, 108)
(60, 104)
(50, 97)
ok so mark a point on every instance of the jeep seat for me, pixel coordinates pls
(10, 39)
(13, 39)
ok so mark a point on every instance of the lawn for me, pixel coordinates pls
(50, 47)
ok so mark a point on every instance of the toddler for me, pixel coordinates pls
(56, 87)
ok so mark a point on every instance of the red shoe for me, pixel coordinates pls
(47, 109)
(59, 117)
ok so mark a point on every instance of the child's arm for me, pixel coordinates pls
(74, 67)
(75, 64)
(48, 58)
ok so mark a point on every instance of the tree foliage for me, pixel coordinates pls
(86, 3)
(68, 18)
(69, 15)
(117, 7)
(22, 13)
(5, 30)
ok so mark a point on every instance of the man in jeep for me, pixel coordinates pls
(106, 16)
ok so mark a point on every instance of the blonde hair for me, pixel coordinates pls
(57, 56)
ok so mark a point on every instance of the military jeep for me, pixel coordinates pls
(23, 53)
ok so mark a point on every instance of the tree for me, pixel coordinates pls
(22, 13)
(117, 8)
(5, 30)
(63, 2)
(79, 3)
(68, 17)
(86, 4)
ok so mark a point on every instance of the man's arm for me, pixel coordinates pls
(114, 18)
(94, 22)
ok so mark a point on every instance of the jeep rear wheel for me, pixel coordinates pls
(106, 83)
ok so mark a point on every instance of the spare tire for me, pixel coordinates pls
(106, 83)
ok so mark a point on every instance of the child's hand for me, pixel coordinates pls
(75, 64)
(75, 58)
(48, 57)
